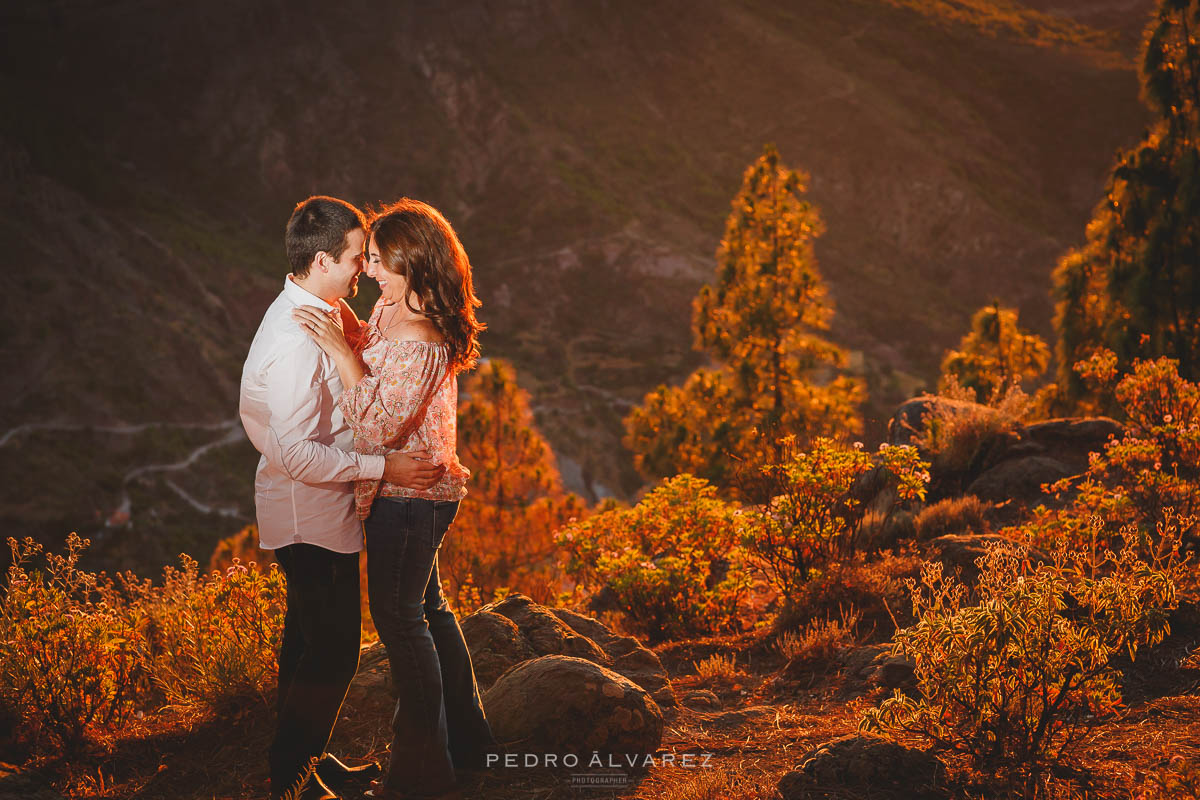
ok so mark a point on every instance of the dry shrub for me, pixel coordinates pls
(717, 668)
(820, 640)
(80, 652)
(957, 434)
(718, 782)
(874, 589)
(952, 515)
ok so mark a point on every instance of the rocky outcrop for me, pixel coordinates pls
(865, 763)
(562, 704)
(1008, 468)
(959, 551)
(504, 634)
(873, 667)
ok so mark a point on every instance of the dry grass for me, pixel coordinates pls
(965, 514)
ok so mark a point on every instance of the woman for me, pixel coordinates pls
(401, 394)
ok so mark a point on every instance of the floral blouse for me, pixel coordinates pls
(408, 400)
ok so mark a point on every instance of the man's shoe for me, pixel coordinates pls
(336, 774)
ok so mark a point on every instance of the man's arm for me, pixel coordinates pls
(295, 393)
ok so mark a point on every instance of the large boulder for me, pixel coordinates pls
(504, 634)
(907, 425)
(496, 643)
(562, 704)
(865, 763)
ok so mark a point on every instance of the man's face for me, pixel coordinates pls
(344, 272)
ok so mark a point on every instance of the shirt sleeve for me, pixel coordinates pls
(295, 392)
(385, 408)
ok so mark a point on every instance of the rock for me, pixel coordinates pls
(907, 425)
(959, 551)
(1019, 480)
(1070, 440)
(546, 633)
(562, 704)
(741, 716)
(874, 667)
(866, 763)
(702, 699)
(373, 681)
(496, 643)
(516, 629)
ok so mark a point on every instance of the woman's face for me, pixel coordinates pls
(392, 287)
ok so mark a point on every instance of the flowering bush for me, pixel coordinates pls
(69, 663)
(813, 518)
(1016, 680)
(80, 652)
(1146, 477)
(211, 639)
(672, 562)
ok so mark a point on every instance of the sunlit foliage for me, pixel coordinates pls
(1134, 287)
(502, 538)
(994, 354)
(761, 322)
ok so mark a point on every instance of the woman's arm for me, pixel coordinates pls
(386, 407)
(330, 338)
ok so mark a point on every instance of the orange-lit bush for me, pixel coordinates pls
(211, 639)
(1147, 476)
(69, 664)
(80, 652)
(813, 519)
(1017, 679)
(672, 562)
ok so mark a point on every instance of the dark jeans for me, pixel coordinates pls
(439, 716)
(318, 656)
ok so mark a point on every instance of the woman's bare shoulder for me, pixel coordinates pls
(417, 330)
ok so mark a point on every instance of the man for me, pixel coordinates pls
(304, 493)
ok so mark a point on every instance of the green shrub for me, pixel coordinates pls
(813, 519)
(1149, 476)
(1017, 680)
(672, 561)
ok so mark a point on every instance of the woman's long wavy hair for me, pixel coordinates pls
(417, 242)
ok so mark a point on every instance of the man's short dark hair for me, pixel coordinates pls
(319, 224)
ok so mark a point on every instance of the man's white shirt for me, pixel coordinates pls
(303, 490)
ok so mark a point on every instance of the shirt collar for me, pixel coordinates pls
(302, 297)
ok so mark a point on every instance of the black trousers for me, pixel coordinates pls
(318, 656)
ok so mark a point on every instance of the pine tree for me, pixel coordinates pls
(1134, 287)
(515, 500)
(994, 353)
(760, 322)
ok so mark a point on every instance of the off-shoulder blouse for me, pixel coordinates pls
(406, 401)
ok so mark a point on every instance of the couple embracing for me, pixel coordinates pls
(355, 422)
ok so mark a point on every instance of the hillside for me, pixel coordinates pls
(586, 153)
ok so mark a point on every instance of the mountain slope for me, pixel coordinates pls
(587, 154)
